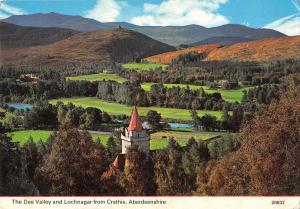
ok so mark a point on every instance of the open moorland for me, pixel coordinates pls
(260, 50)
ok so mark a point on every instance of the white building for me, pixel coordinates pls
(135, 134)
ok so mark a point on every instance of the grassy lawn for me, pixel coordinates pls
(160, 139)
(98, 77)
(23, 136)
(234, 95)
(103, 138)
(119, 109)
(37, 135)
(143, 66)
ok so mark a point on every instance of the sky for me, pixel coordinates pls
(281, 15)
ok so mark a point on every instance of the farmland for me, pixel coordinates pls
(98, 77)
(159, 140)
(37, 135)
(120, 109)
(234, 95)
(143, 66)
(23, 136)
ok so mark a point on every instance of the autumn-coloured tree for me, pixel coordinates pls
(13, 172)
(74, 165)
(170, 176)
(137, 178)
(110, 181)
(268, 161)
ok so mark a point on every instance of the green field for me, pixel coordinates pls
(234, 95)
(160, 140)
(228, 95)
(143, 66)
(98, 77)
(37, 135)
(22, 136)
(120, 109)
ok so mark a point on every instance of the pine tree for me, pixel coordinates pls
(30, 151)
(138, 173)
(74, 165)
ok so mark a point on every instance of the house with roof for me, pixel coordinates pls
(134, 134)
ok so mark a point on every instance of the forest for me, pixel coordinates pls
(265, 142)
(261, 129)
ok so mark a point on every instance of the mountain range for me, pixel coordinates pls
(259, 50)
(172, 35)
(117, 45)
(13, 36)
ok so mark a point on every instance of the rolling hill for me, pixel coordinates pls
(223, 40)
(259, 50)
(172, 35)
(86, 48)
(14, 36)
(166, 58)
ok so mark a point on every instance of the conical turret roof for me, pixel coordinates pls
(135, 123)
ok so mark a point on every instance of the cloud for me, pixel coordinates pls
(6, 10)
(105, 11)
(178, 12)
(289, 25)
(296, 4)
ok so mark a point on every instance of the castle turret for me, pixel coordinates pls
(135, 134)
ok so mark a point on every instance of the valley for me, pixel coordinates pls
(119, 109)
(96, 108)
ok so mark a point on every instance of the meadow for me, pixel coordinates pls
(143, 66)
(120, 109)
(159, 140)
(37, 135)
(98, 77)
(233, 95)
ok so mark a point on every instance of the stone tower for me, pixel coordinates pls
(135, 134)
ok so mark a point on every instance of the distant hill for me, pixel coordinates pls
(87, 48)
(166, 58)
(14, 36)
(172, 35)
(224, 41)
(259, 50)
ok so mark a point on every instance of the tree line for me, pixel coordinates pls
(200, 72)
(159, 95)
(71, 163)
